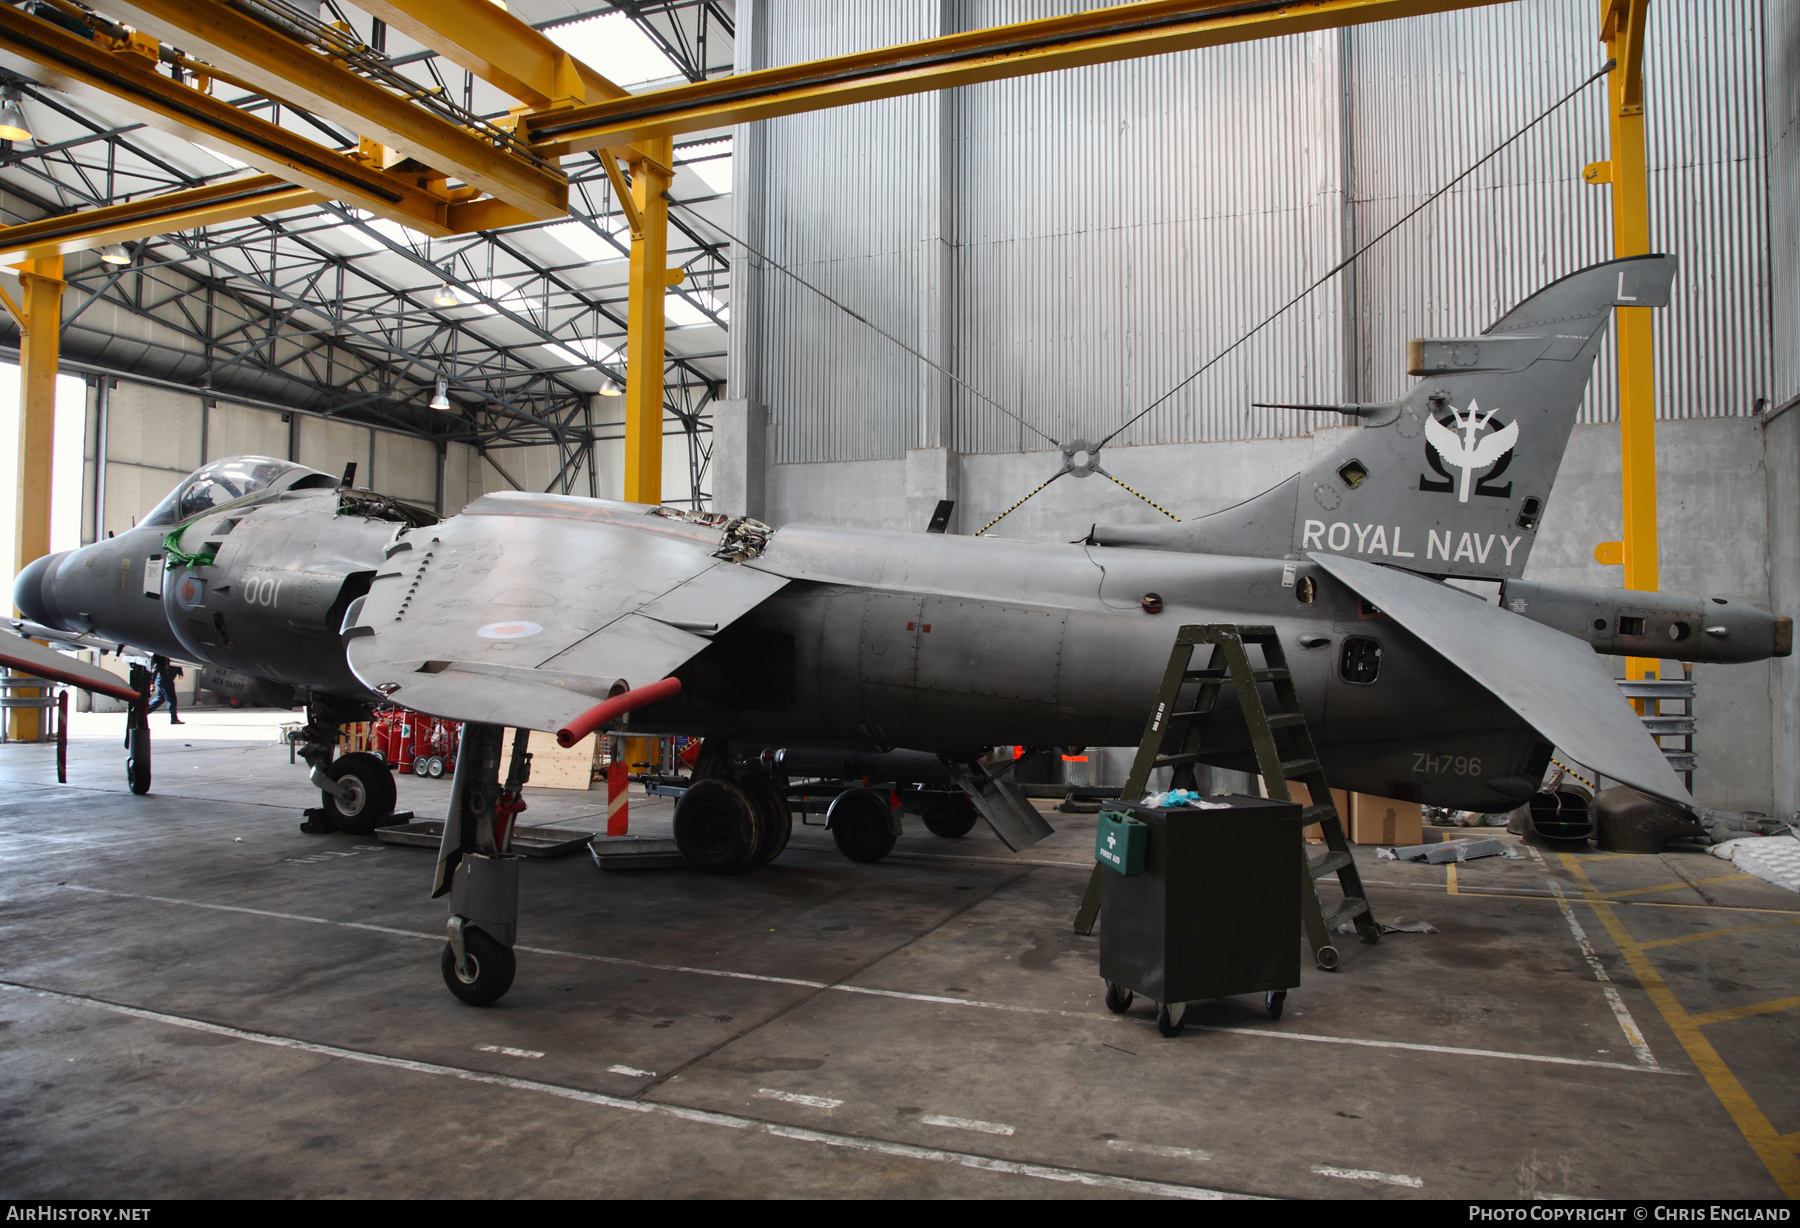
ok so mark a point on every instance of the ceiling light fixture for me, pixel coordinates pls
(446, 295)
(115, 253)
(441, 398)
(12, 116)
(610, 388)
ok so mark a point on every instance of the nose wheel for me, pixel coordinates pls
(367, 793)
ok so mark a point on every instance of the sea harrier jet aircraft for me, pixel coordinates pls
(566, 615)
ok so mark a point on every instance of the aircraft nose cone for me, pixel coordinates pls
(28, 591)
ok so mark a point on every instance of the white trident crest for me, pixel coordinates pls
(1458, 447)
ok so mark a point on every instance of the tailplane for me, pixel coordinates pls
(1453, 478)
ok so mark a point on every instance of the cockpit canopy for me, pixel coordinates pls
(225, 481)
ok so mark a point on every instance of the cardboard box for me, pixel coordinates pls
(552, 766)
(1384, 820)
(1339, 797)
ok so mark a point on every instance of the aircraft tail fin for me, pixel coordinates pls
(1452, 479)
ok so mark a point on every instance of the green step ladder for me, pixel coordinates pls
(1284, 752)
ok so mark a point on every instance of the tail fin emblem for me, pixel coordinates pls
(1459, 448)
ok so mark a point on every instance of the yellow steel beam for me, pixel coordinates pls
(490, 42)
(1623, 32)
(39, 312)
(622, 192)
(82, 69)
(288, 70)
(649, 281)
(1101, 36)
(226, 201)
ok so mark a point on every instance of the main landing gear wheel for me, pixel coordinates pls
(717, 828)
(774, 813)
(1273, 1002)
(137, 760)
(489, 968)
(952, 818)
(372, 793)
(1170, 1016)
(862, 825)
(1118, 998)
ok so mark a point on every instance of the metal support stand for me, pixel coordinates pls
(1268, 727)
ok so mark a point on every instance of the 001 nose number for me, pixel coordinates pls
(1427, 764)
(261, 592)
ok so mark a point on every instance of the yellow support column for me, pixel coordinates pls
(651, 174)
(40, 329)
(1623, 32)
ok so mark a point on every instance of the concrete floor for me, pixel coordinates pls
(196, 999)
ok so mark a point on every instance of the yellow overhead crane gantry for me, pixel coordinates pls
(509, 175)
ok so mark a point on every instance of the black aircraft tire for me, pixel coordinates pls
(373, 785)
(137, 762)
(952, 819)
(774, 813)
(491, 963)
(862, 826)
(717, 828)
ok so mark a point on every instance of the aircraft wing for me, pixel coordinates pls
(1553, 681)
(528, 610)
(30, 657)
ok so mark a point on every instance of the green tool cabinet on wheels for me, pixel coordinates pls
(1215, 910)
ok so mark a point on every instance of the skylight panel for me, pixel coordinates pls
(616, 48)
(579, 238)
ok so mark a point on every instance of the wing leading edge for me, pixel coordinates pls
(528, 610)
(1554, 682)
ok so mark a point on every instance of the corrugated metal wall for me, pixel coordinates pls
(1116, 227)
(851, 206)
(1431, 94)
(1782, 111)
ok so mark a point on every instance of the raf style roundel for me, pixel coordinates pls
(515, 630)
(190, 591)
(1456, 440)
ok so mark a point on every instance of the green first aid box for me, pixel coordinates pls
(1120, 841)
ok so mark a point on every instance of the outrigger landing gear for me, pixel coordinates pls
(137, 733)
(476, 871)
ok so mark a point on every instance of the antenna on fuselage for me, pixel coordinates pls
(349, 478)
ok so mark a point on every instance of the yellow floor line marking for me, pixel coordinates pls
(1744, 1012)
(1698, 882)
(1703, 935)
(1450, 879)
(1612, 856)
(1533, 893)
(1780, 912)
(1777, 1153)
